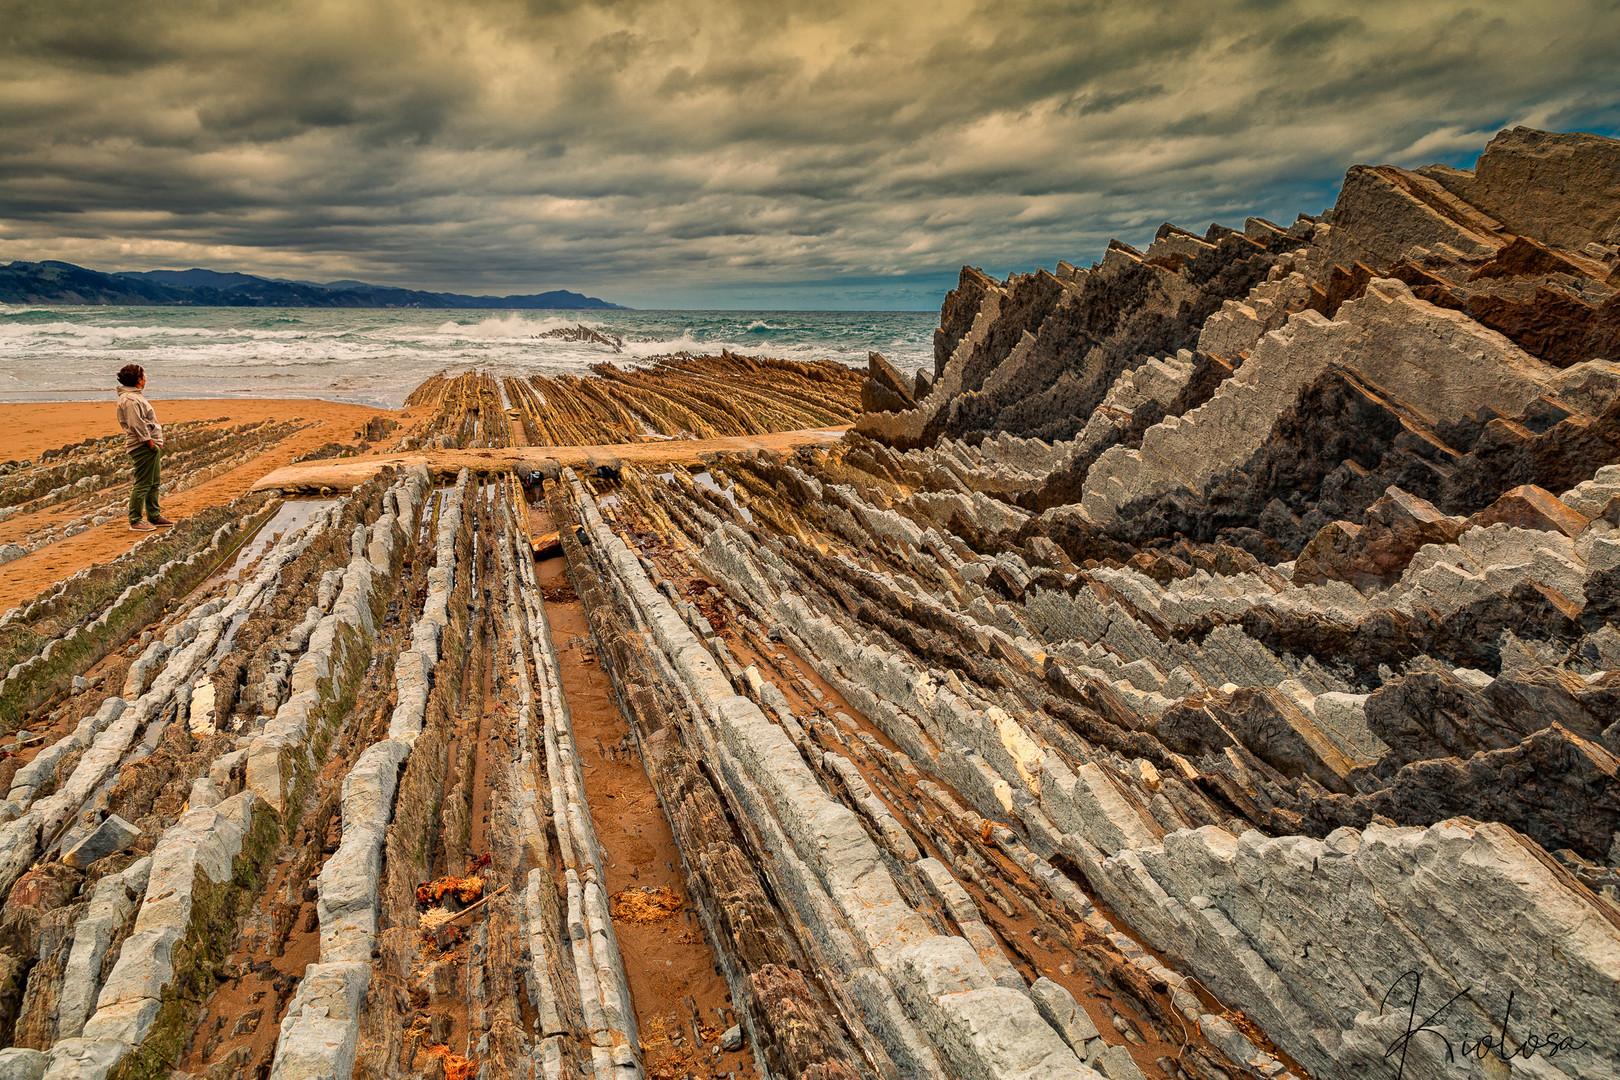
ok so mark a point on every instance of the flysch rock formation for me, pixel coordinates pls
(1208, 670)
(673, 397)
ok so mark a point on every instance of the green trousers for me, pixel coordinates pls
(144, 494)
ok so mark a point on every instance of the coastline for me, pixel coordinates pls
(1141, 695)
(377, 356)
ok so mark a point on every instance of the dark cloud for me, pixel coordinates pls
(706, 151)
(1311, 38)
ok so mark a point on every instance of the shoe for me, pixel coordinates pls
(160, 521)
(141, 526)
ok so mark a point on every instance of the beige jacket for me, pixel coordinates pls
(136, 417)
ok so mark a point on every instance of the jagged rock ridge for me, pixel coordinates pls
(1209, 667)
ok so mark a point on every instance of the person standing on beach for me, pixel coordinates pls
(143, 436)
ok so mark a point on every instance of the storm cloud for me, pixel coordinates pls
(734, 154)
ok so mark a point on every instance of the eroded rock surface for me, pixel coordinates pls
(1210, 669)
(1246, 581)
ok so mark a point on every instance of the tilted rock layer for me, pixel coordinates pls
(1210, 668)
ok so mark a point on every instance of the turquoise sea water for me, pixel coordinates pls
(377, 356)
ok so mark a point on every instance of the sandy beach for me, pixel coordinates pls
(36, 426)
(41, 426)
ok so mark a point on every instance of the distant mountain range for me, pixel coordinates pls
(54, 282)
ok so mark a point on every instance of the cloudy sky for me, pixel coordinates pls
(735, 153)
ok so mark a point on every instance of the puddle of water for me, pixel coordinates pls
(706, 479)
(292, 514)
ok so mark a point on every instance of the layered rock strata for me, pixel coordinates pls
(1208, 670)
(676, 397)
(70, 489)
(1295, 648)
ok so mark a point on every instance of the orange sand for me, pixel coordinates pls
(40, 426)
(34, 427)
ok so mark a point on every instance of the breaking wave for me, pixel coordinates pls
(377, 356)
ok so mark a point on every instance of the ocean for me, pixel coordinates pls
(377, 356)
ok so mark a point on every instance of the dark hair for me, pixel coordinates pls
(131, 374)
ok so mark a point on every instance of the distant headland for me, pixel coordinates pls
(53, 282)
